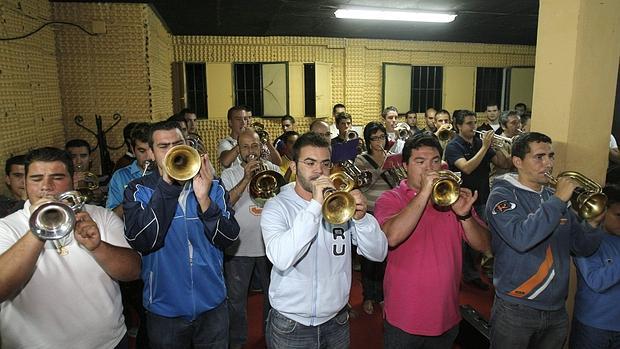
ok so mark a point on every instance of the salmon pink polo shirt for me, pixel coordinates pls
(423, 273)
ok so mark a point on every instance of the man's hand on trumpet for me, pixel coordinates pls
(361, 205)
(202, 183)
(87, 231)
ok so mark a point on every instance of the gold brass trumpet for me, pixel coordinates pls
(265, 184)
(182, 162)
(445, 134)
(498, 140)
(339, 204)
(260, 130)
(446, 188)
(588, 200)
(55, 219)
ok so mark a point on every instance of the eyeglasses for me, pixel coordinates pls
(326, 134)
(312, 163)
(377, 138)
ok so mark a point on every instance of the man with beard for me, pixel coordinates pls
(311, 274)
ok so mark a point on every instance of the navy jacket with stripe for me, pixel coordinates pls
(181, 247)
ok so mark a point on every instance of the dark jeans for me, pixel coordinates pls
(284, 333)
(209, 330)
(587, 337)
(471, 256)
(372, 279)
(395, 338)
(519, 326)
(238, 272)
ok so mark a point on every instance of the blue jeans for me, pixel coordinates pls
(587, 337)
(209, 330)
(395, 338)
(284, 333)
(519, 326)
(237, 273)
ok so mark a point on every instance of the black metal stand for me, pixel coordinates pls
(106, 162)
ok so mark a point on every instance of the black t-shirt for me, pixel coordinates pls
(479, 178)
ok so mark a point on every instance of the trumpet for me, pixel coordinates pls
(445, 134)
(403, 130)
(89, 183)
(182, 162)
(260, 130)
(352, 134)
(195, 141)
(498, 140)
(446, 188)
(338, 204)
(588, 200)
(265, 183)
(55, 219)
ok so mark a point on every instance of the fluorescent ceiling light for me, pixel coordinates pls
(396, 15)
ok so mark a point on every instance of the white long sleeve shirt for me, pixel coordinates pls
(311, 274)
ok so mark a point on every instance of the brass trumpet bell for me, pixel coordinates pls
(265, 185)
(182, 162)
(338, 204)
(445, 134)
(446, 188)
(588, 200)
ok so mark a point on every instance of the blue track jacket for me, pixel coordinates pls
(181, 247)
(532, 236)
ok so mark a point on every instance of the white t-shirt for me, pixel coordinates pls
(612, 143)
(69, 302)
(227, 144)
(247, 213)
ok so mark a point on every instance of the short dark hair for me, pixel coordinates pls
(77, 143)
(13, 160)
(127, 132)
(308, 139)
(49, 154)
(491, 103)
(613, 194)
(525, 118)
(412, 112)
(343, 116)
(459, 116)
(387, 110)
(140, 133)
(235, 109)
(288, 117)
(177, 117)
(418, 141)
(186, 111)
(336, 106)
(520, 104)
(370, 129)
(162, 126)
(521, 144)
(288, 134)
(443, 111)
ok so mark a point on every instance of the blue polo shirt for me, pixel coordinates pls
(479, 178)
(119, 181)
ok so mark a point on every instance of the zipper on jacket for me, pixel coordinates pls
(315, 281)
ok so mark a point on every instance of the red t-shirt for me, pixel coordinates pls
(422, 276)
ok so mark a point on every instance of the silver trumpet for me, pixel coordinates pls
(498, 140)
(55, 219)
(403, 130)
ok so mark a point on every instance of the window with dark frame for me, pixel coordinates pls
(426, 87)
(196, 88)
(248, 86)
(309, 89)
(488, 87)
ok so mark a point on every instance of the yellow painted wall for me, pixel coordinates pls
(296, 88)
(126, 70)
(521, 86)
(459, 88)
(30, 102)
(219, 89)
(397, 91)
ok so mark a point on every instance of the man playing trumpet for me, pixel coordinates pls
(62, 293)
(181, 228)
(311, 274)
(248, 252)
(534, 233)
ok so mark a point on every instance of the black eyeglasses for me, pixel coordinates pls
(377, 138)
